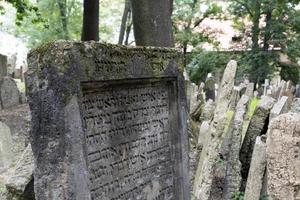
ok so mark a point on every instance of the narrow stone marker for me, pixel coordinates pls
(205, 170)
(283, 157)
(233, 168)
(109, 122)
(258, 126)
(257, 170)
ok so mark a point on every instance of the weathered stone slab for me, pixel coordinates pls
(257, 170)
(283, 162)
(9, 93)
(6, 154)
(209, 88)
(20, 184)
(205, 171)
(279, 107)
(3, 66)
(249, 90)
(233, 177)
(295, 108)
(257, 126)
(18, 121)
(109, 122)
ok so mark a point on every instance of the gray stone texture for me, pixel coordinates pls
(20, 184)
(257, 126)
(283, 162)
(9, 93)
(257, 170)
(209, 88)
(3, 66)
(295, 107)
(18, 121)
(6, 154)
(279, 107)
(205, 171)
(135, 96)
(233, 166)
(250, 89)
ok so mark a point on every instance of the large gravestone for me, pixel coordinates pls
(109, 122)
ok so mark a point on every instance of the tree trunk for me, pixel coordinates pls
(152, 22)
(255, 40)
(62, 4)
(267, 34)
(90, 28)
(125, 17)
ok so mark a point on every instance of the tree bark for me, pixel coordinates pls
(90, 28)
(62, 4)
(126, 15)
(152, 22)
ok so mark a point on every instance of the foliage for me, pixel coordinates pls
(274, 24)
(290, 73)
(206, 62)
(187, 16)
(52, 28)
(238, 196)
(24, 8)
(252, 106)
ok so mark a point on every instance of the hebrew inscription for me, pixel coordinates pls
(129, 141)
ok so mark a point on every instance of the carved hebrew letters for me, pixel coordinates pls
(128, 138)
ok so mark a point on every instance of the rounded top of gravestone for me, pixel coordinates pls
(9, 93)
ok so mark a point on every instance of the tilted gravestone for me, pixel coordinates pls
(109, 122)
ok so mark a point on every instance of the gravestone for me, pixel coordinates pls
(203, 184)
(3, 66)
(233, 165)
(257, 170)
(6, 155)
(9, 93)
(109, 122)
(209, 88)
(283, 159)
(279, 107)
(257, 127)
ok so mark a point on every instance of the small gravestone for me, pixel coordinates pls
(9, 93)
(109, 122)
(249, 90)
(6, 155)
(257, 170)
(209, 88)
(3, 66)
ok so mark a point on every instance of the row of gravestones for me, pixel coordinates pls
(109, 122)
(232, 137)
